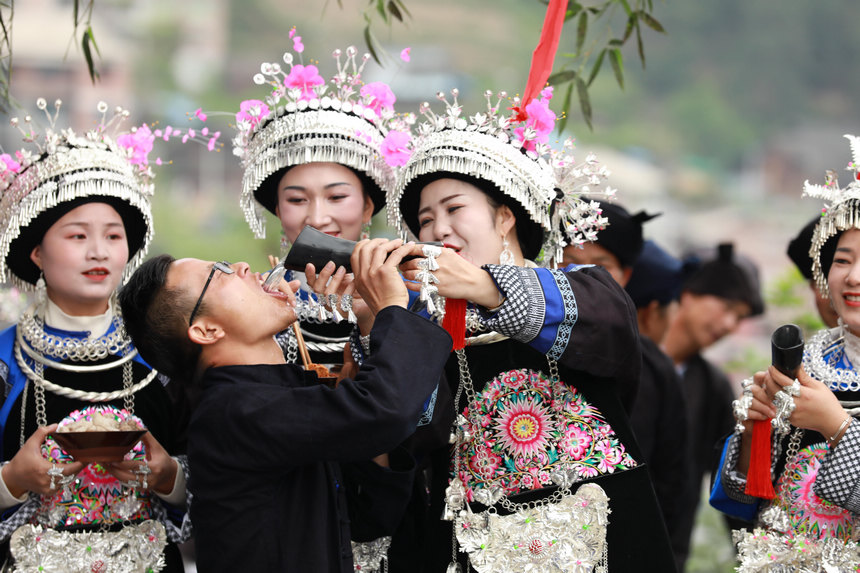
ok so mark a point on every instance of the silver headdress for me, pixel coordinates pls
(513, 154)
(64, 167)
(841, 212)
(303, 121)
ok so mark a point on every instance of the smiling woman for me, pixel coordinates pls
(75, 220)
(805, 501)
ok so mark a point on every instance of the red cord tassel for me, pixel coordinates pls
(455, 321)
(544, 54)
(759, 482)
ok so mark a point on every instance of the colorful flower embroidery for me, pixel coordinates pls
(809, 514)
(525, 427)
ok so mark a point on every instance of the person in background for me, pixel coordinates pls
(714, 300)
(798, 252)
(658, 408)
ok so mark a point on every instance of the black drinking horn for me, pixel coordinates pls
(787, 349)
(313, 246)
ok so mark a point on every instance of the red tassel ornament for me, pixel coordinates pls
(759, 482)
(455, 321)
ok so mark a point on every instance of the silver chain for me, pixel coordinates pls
(39, 397)
(793, 445)
(32, 329)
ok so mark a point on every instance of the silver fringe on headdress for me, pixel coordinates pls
(322, 135)
(526, 180)
(69, 172)
(841, 211)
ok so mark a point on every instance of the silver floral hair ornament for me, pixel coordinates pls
(306, 119)
(513, 154)
(63, 168)
(841, 212)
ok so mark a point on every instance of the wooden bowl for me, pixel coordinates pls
(89, 447)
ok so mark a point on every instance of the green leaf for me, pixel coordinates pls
(561, 77)
(626, 7)
(615, 43)
(596, 67)
(86, 39)
(572, 11)
(639, 44)
(380, 7)
(631, 23)
(584, 102)
(403, 9)
(394, 10)
(581, 31)
(652, 22)
(565, 108)
(93, 40)
(75, 13)
(617, 66)
(370, 40)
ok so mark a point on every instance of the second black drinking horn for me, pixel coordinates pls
(787, 349)
(313, 246)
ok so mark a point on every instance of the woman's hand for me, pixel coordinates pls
(458, 278)
(329, 280)
(163, 468)
(28, 469)
(816, 407)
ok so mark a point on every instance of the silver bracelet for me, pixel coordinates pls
(842, 427)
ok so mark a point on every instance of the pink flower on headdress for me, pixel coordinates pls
(138, 143)
(200, 115)
(252, 111)
(404, 54)
(539, 118)
(304, 78)
(9, 164)
(298, 47)
(378, 96)
(395, 148)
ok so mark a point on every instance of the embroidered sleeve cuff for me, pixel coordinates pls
(177, 494)
(734, 482)
(838, 480)
(8, 500)
(521, 315)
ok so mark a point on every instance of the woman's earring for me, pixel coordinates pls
(365, 231)
(507, 257)
(41, 290)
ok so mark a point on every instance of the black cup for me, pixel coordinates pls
(313, 246)
(786, 345)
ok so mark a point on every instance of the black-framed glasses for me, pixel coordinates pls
(222, 266)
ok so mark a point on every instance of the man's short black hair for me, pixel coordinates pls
(156, 318)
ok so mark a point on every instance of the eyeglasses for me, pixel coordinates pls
(222, 266)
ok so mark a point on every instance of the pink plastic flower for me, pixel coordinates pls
(395, 148)
(292, 32)
(138, 143)
(9, 163)
(378, 96)
(200, 115)
(404, 54)
(252, 111)
(298, 47)
(304, 78)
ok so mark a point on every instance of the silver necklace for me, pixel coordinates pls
(32, 329)
(821, 356)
